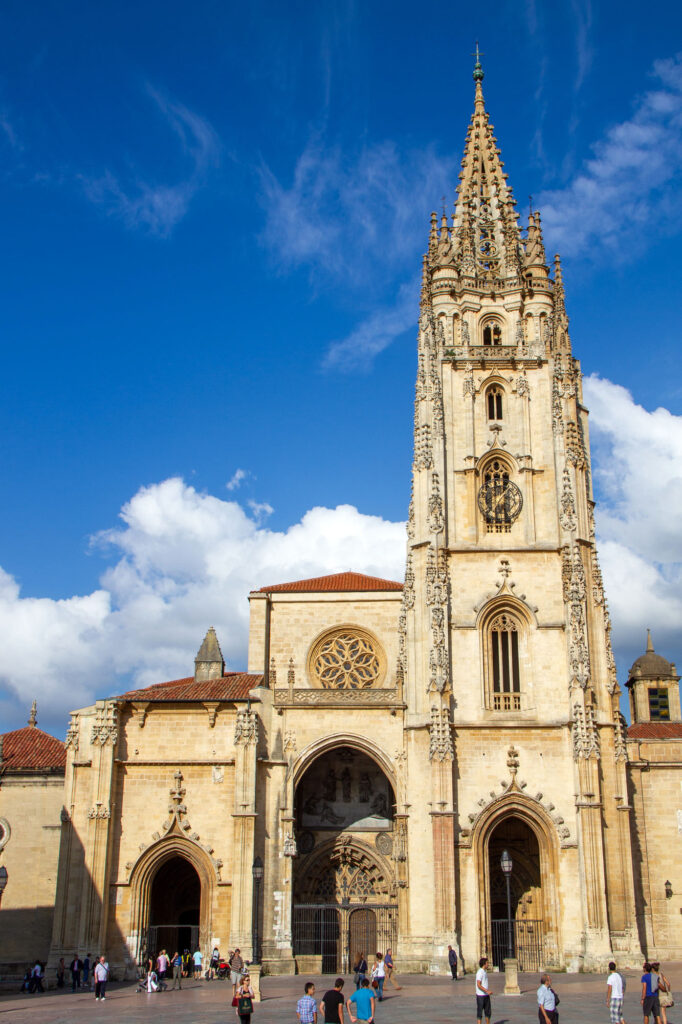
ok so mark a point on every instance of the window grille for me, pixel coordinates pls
(659, 706)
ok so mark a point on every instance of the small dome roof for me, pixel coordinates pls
(651, 665)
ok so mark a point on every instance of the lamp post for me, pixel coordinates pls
(3, 880)
(506, 863)
(257, 873)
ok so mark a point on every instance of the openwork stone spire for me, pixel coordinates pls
(483, 240)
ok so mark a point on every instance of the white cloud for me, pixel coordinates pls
(237, 479)
(153, 206)
(183, 561)
(637, 458)
(360, 219)
(376, 332)
(632, 180)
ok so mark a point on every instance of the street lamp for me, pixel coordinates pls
(506, 863)
(3, 880)
(257, 873)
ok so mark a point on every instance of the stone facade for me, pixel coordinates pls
(356, 788)
(31, 794)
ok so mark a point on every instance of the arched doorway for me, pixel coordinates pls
(524, 930)
(174, 908)
(345, 899)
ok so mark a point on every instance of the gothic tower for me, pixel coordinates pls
(514, 736)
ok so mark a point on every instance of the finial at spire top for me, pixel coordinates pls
(478, 69)
(649, 644)
(33, 717)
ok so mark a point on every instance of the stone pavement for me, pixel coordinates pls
(436, 1000)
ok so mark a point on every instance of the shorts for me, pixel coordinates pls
(235, 977)
(651, 1005)
(616, 1011)
(483, 1007)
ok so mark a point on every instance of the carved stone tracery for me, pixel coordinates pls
(346, 659)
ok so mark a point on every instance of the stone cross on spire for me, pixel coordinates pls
(33, 717)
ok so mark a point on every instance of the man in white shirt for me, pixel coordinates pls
(198, 957)
(614, 995)
(547, 1013)
(483, 1008)
(101, 975)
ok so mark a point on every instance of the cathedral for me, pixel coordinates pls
(356, 788)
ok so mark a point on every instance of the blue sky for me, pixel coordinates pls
(212, 226)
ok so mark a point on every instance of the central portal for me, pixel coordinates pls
(345, 899)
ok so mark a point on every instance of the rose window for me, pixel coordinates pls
(345, 660)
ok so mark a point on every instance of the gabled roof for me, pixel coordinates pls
(340, 581)
(231, 686)
(655, 731)
(32, 749)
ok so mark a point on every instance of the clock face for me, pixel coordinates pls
(499, 499)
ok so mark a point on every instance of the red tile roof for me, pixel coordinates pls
(656, 731)
(31, 748)
(231, 686)
(340, 581)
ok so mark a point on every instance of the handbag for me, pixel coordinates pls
(665, 998)
(235, 1001)
(375, 983)
(244, 1006)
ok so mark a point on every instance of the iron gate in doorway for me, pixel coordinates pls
(527, 943)
(338, 933)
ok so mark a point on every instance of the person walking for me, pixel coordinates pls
(86, 971)
(649, 999)
(361, 1004)
(76, 966)
(36, 984)
(483, 1007)
(214, 965)
(177, 970)
(452, 960)
(332, 1004)
(379, 976)
(306, 1007)
(61, 971)
(547, 1001)
(244, 997)
(665, 995)
(101, 978)
(614, 995)
(360, 970)
(236, 969)
(162, 963)
(197, 958)
(390, 969)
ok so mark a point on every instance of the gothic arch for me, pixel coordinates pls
(515, 804)
(340, 739)
(500, 455)
(369, 875)
(144, 872)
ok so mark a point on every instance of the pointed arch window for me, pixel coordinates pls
(494, 402)
(504, 682)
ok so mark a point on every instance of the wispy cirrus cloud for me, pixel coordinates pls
(154, 206)
(633, 178)
(359, 219)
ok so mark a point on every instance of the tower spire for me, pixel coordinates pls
(478, 79)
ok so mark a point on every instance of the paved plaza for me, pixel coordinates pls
(421, 999)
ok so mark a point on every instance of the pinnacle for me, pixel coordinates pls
(649, 643)
(210, 648)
